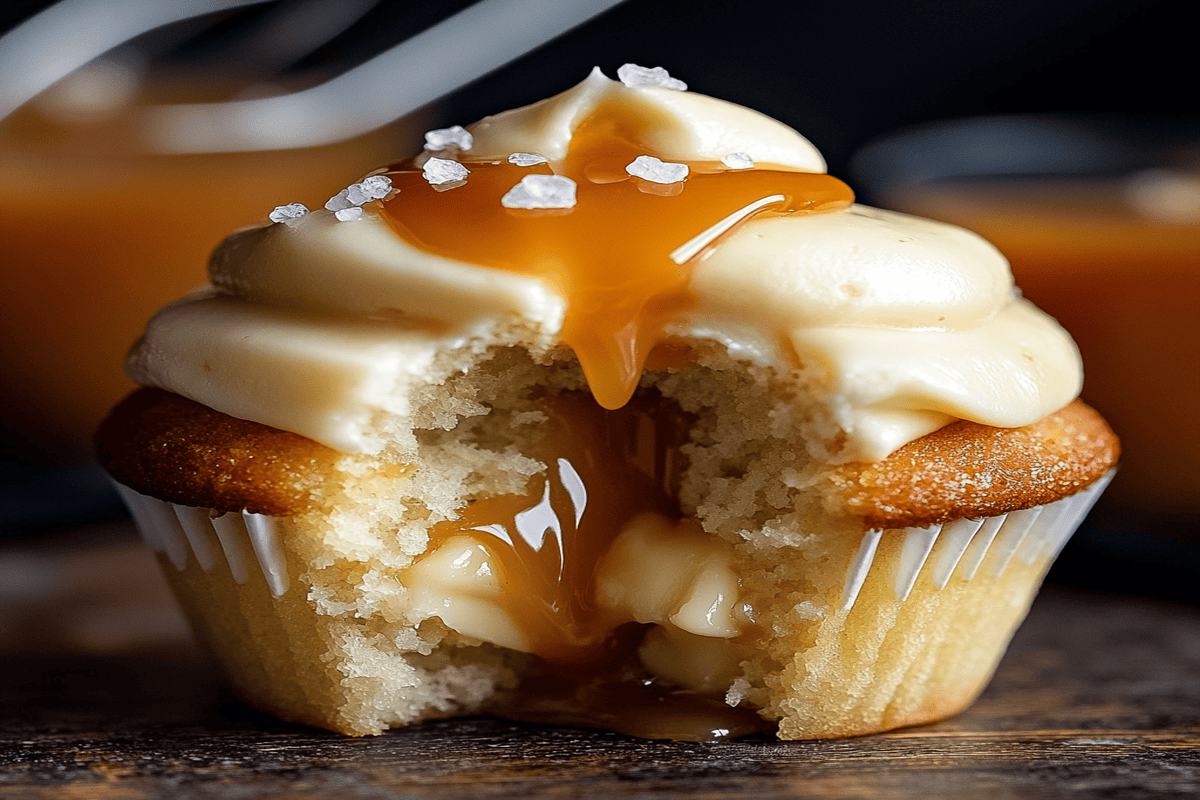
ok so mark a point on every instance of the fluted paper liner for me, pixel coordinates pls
(1032, 535)
(234, 579)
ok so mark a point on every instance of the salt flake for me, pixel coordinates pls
(377, 187)
(338, 201)
(651, 169)
(356, 195)
(442, 170)
(348, 214)
(633, 75)
(526, 159)
(288, 212)
(541, 191)
(738, 160)
(454, 136)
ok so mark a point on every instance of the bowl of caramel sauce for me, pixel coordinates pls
(1100, 219)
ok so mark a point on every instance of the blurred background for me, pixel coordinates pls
(1067, 132)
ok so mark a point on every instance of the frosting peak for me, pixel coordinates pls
(681, 126)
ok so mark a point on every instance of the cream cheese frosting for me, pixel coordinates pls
(327, 328)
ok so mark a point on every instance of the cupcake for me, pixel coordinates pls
(613, 411)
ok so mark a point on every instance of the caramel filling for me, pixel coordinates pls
(603, 468)
(610, 255)
(609, 475)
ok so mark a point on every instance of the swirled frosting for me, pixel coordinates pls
(324, 327)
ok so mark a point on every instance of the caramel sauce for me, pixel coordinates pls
(609, 256)
(588, 674)
(633, 707)
(603, 468)
(614, 694)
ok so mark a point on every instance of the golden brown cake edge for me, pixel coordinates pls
(967, 470)
(167, 446)
(175, 449)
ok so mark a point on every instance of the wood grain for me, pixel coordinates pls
(1098, 697)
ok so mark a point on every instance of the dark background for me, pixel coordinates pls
(842, 73)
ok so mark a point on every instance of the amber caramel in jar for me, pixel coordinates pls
(1126, 283)
(99, 233)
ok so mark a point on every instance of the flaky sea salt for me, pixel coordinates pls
(454, 136)
(651, 169)
(377, 186)
(348, 214)
(356, 195)
(738, 161)
(338, 201)
(442, 170)
(633, 75)
(526, 159)
(541, 191)
(288, 212)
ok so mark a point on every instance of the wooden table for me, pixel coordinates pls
(102, 695)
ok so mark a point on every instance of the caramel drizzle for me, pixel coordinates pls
(611, 255)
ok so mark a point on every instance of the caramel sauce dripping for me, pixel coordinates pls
(610, 255)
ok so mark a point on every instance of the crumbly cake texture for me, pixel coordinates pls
(340, 651)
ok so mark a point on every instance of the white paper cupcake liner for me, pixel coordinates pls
(241, 538)
(1032, 535)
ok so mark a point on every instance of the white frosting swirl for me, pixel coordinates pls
(325, 328)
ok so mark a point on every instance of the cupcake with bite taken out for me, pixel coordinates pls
(615, 411)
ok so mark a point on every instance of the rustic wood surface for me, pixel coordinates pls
(102, 695)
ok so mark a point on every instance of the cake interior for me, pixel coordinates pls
(673, 569)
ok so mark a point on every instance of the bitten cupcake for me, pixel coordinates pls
(613, 411)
